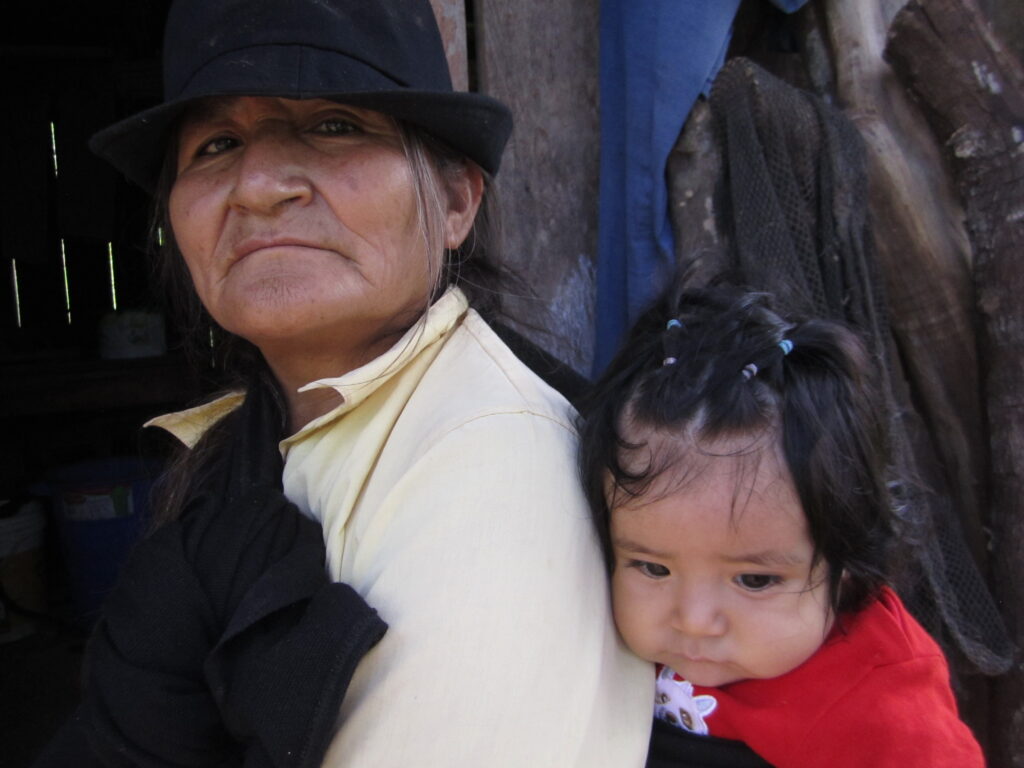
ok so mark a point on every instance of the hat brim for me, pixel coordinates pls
(476, 125)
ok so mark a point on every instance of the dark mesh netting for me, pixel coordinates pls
(793, 208)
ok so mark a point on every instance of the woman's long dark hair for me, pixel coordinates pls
(720, 363)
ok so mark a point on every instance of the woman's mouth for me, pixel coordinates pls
(251, 245)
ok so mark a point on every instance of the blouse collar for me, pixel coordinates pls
(354, 387)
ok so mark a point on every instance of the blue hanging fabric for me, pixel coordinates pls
(657, 57)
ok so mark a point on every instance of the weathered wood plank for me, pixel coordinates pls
(694, 171)
(451, 19)
(925, 255)
(922, 249)
(1007, 18)
(541, 58)
(973, 90)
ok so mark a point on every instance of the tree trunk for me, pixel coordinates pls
(972, 90)
(693, 174)
(922, 249)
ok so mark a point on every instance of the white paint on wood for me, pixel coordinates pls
(967, 142)
(986, 78)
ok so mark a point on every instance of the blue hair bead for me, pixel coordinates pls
(670, 361)
(786, 346)
(673, 323)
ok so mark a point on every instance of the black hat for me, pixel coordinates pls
(385, 55)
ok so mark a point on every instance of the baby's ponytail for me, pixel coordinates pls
(834, 441)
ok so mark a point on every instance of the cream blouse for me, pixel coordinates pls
(447, 488)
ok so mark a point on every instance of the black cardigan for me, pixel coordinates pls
(224, 643)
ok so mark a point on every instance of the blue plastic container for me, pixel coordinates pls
(101, 509)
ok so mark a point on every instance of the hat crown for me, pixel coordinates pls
(385, 55)
(398, 39)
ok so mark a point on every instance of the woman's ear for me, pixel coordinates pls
(465, 189)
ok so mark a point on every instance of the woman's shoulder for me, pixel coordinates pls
(477, 374)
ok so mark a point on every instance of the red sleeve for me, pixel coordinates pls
(898, 716)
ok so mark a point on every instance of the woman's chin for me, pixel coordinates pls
(312, 313)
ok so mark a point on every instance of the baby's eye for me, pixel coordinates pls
(653, 570)
(216, 146)
(756, 582)
(336, 126)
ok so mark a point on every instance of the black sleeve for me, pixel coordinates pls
(68, 747)
(224, 643)
(673, 747)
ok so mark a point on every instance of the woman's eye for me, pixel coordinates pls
(756, 582)
(336, 126)
(653, 570)
(216, 146)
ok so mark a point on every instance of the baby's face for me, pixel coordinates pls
(713, 569)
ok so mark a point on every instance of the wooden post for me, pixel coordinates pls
(451, 19)
(925, 256)
(972, 89)
(540, 57)
(695, 168)
(1008, 22)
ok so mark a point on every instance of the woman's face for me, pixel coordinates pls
(298, 222)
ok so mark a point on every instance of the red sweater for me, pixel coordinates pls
(877, 694)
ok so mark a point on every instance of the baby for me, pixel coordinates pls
(736, 466)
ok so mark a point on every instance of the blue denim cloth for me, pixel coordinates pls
(657, 57)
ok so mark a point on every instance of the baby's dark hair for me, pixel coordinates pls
(720, 363)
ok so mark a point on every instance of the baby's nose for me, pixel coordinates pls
(698, 613)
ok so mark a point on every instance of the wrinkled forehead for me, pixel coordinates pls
(219, 107)
(209, 107)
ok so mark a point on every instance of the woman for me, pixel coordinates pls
(322, 183)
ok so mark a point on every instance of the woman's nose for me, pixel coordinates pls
(269, 176)
(698, 613)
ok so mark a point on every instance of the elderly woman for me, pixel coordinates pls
(322, 182)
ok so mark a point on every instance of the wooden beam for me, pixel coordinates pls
(923, 251)
(451, 19)
(540, 57)
(694, 172)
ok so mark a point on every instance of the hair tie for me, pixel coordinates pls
(749, 371)
(786, 346)
(670, 340)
